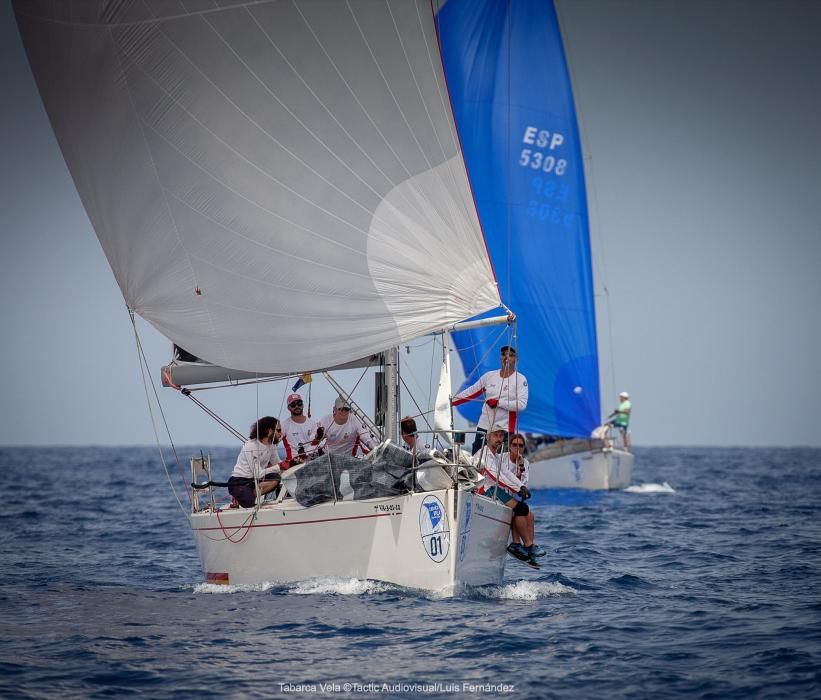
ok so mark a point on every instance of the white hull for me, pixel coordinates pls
(598, 469)
(404, 540)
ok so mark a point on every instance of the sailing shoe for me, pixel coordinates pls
(518, 551)
(536, 551)
(532, 562)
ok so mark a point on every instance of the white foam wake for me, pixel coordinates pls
(527, 590)
(650, 488)
(339, 586)
(233, 588)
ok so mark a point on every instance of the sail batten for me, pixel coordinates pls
(275, 185)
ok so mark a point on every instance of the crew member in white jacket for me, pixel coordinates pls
(298, 433)
(505, 396)
(517, 467)
(504, 485)
(343, 433)
(257, 465)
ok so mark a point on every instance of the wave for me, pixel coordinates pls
(650, 488)
(526, 590)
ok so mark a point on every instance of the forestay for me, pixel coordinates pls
(278, 186)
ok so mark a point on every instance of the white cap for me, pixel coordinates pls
(497, 426)
(624, 394)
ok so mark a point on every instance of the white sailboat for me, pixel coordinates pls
(279, 188)
(523, 152)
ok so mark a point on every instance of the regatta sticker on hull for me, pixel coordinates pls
(433, 526)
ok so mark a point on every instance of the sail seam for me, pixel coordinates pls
(120, 55)
(359, 147)
(370, 213)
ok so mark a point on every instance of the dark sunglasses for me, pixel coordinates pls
(517, 444)
(344, 408)
(294, 403)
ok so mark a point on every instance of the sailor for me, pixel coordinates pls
(299, 436)
(257, 463)
(410, 436)
(515, 463)
(506, 487)
(505, 391)
(407, 427)
(620, 418)
(344, 433)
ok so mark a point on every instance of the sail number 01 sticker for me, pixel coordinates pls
(433, 527)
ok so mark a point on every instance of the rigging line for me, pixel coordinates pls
(215, 416)
(141, 359)
(311, 202)
(419, 384)
(246, 525)
(491, 346)
(422, 414)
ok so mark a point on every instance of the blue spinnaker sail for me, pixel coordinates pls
(511, 95)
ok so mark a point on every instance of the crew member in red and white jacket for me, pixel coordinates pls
(298, 433)
(343, 433)
(505, 396)
(503, 485)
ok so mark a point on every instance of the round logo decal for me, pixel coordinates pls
(433, 526)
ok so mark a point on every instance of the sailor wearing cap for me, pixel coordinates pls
(298, 432)
(620, 418)
(344, 432)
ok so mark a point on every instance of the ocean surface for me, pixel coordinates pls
(701, 581)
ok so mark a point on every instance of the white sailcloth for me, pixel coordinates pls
(278, 186)
(442, 411)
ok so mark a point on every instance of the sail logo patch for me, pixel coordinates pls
(433, 528)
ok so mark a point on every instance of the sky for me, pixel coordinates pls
(702, 151)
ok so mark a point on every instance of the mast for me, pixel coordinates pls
(392, 381)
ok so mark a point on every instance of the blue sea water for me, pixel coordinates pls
(710, 590)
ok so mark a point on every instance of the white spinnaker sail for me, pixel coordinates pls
(277, 186)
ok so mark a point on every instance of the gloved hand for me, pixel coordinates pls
(524, 492)
(320, 433)
(493, 403)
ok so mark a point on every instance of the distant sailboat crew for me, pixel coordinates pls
(620, 418)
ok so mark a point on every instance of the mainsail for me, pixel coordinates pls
(513, 103)
(278, 186)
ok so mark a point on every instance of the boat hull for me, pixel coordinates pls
(597, 469)
(437, 540)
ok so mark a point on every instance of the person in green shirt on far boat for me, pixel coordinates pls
(620, 418)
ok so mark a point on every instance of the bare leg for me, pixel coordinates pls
(520, 527)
